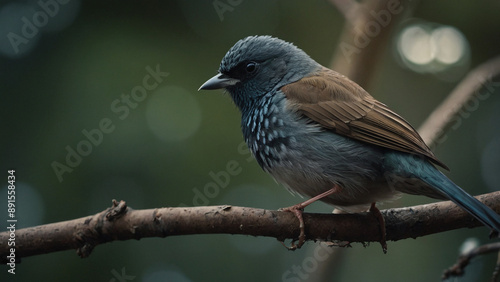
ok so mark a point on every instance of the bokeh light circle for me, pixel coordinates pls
(414, 44)
(432, 48)
(173, 114)
(18, 39)
(449, 44)
(21, 25)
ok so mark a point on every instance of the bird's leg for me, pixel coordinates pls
(381, 222)
(299, 208)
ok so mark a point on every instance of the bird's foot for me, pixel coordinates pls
(298, 209)
(376, 212)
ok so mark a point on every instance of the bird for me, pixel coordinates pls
(322, 136)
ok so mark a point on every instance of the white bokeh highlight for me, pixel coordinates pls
(449, 44)
(431, 48)
(414, 44)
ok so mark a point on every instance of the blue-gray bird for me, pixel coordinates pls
(323, 136)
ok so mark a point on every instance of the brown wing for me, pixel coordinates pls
(340, 105)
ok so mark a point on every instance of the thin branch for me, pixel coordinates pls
(459, 268)
(123, 223)
(468, 89)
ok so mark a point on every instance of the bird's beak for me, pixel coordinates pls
(219, 81)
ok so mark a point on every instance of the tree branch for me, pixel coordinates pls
(459, 268)
(123, 223)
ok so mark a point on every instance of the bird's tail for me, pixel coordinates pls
(457, 195)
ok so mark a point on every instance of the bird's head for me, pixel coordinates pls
(257, 65)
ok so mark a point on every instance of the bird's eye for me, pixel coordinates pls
(251, 67)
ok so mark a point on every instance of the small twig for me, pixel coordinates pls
(459, 268)
(117, 210)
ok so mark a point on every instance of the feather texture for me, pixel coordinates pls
(340, 105)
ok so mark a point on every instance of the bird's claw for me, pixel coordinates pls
(292, 247)
(297, 211)
(299, 208)
(376, 212)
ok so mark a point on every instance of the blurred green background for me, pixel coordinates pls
(88, 55)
